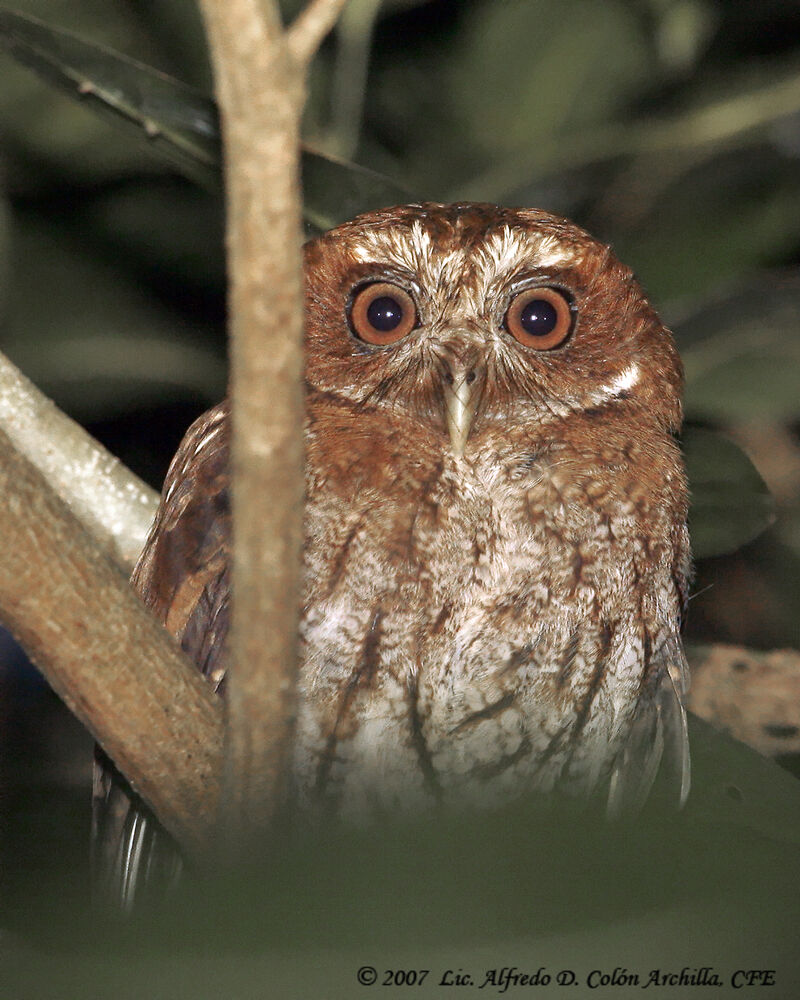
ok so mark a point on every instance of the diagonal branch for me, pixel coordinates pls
(111, 503)
(114, 665)
(311, 26)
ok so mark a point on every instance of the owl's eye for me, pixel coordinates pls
(540, 318)
(382, 313)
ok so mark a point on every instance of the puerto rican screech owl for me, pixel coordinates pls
(496, 552)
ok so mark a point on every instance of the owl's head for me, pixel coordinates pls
(465, 316)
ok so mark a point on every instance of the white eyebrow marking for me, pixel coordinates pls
(626, 380)
(409, 248)
(414, 249)
(504, 249)
(551, 252)
(360, 252)
(421, 239)
(455, 271)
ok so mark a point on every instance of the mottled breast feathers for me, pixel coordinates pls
(496, 553)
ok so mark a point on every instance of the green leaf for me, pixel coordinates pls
(736, 786)
(741, 352)
(717, 222)
(336, 190)
(178, 122)
(730, 503)
(566, 85)
(483, 102)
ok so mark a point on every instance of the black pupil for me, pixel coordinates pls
(384, 313)
(538, 317)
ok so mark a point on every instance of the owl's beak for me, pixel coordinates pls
(462, 388)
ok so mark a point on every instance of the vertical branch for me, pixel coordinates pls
(260, 76)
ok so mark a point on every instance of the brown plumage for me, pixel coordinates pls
(496, 553)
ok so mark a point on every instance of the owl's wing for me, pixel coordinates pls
(182, 575)
(658, 740)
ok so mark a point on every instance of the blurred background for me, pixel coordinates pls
(669, 128)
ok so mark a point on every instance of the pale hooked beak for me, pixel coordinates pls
(462, 388)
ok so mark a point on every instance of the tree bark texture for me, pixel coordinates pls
(114, 665)
(260, 75)
(113, 504)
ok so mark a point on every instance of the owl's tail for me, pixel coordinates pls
(135, 862)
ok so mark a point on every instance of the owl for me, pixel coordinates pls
(496, 555)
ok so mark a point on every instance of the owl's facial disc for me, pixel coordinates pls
(463, 381)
